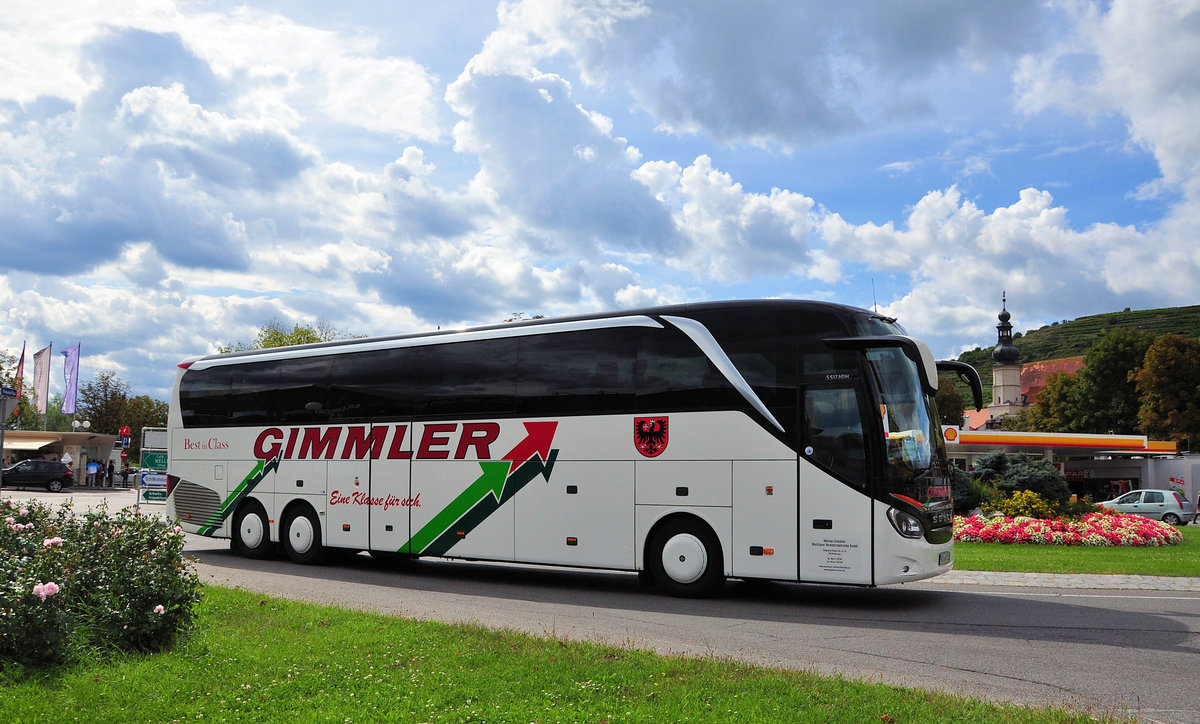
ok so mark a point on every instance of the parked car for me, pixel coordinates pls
(1168, 506)
(48, 474)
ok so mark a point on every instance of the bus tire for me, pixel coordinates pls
(683, 558)
(301, 535)
(251, 531)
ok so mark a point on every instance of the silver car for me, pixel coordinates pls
(1168, 506)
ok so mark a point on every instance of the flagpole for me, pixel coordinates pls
(46, 413)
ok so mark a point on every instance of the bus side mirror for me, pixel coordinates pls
(967, 374)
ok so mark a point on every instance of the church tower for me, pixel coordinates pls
(1006, 373)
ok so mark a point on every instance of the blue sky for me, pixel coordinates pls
(173, 175)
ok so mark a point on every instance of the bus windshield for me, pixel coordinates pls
(915, 451)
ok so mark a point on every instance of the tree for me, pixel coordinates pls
(102, 401)
(949, 401)
(1055, 410)
(25, 418)
(55, 419)
(1103, 397)
(1011, 473)
(275, 334)
(142, 411)
(1108, 399)
(1169, 384)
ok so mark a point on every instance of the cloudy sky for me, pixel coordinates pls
(173, 175)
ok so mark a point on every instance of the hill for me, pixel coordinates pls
(1076, 337)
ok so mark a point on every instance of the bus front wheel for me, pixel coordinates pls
(251, 532)
(302, 535)
(683, 558)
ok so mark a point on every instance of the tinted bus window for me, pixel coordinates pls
(204, 397)
(764, 349)
(673, 374)
(467, 379)
(588, 372)
(374, 385)
(303, 393)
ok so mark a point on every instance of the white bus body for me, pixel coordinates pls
(694, 452)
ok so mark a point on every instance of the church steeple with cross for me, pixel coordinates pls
(1006, 373)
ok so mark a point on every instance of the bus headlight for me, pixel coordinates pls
(905, 524)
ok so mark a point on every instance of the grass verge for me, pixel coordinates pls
(1180, 560)
(254, 658)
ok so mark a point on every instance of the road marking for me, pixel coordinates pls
(1095, 595)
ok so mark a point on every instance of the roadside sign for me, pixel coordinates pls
(152, 489)
(125, 431)
(125, 441)
(124, 454)
(7, 405)
(154, 438)
(154, 480)
(8, 392)
(156, 460)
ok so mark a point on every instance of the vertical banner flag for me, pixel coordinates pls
(20, 376)
(71, 378)
(41, 378)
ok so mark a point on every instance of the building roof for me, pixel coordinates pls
(1035, 375)
(1062, 443)
(977, 418)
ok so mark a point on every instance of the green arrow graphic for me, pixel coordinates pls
(261, 469)
(491, 481)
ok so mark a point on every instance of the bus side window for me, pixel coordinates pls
(833, 429)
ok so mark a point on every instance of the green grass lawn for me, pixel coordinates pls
(1180, 560)
(254, 658)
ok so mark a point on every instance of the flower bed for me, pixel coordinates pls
(1094, 529)
(90, 582)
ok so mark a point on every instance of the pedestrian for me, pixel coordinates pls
(111, 468)
(124, 476)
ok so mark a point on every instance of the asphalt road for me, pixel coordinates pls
(1108, 652)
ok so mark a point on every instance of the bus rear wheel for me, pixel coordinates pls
(302, 536)
(683, 558)
(251, 531)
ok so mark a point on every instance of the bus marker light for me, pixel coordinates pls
(345, 526)
(768, 551)
(770, 490)
(572, 541)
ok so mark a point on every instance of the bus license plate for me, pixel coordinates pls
(944, 558)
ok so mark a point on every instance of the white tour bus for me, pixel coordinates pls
(782, 440)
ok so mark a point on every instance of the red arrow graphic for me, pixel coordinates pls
(538, 437)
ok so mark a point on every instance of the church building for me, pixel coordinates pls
(1015, 386)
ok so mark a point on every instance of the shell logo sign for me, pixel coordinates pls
(950, 433)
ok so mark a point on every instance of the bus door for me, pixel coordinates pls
(391, 490)
(365, 485)
(835, 502)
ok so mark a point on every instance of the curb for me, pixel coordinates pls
(1118, 582)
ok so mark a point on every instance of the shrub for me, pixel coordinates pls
(1036, 476)
(1078, 508)
(74, 583)
(966, 490)
(1024, 503)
